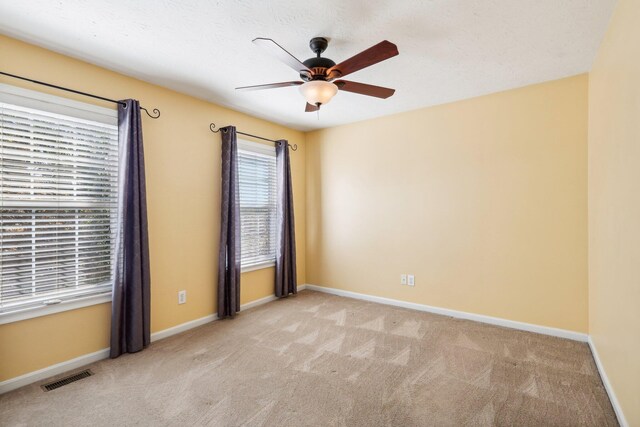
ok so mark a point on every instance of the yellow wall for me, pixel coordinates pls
(183, 180)
(484, 200)
(614, 206)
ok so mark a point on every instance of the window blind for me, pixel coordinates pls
(58, 204)
(257, 185)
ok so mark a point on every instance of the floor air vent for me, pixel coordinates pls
(66, 380)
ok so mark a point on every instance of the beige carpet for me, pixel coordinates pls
(321, 360)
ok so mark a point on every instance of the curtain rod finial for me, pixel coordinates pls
(212, 126)
(156, 112)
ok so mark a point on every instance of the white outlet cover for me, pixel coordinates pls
(182, 297)
(412, 280)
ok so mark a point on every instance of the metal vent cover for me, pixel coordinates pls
(66, 380)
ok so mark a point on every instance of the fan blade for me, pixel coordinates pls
(279, 52)
(310, 108)
(373, 55)
(269, 86)
(364, 89)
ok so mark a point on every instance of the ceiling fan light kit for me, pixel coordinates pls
(318, 74)
(318, 92)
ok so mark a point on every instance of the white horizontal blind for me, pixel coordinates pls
(58, 204)
(257, 179)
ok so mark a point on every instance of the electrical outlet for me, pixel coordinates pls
(411, 280)
(403, 279)
(182, 297)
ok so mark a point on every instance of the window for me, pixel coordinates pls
(257, 179)
(58, 200)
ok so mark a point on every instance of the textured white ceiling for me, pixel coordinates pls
(449, 49)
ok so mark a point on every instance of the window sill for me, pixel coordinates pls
(258, 266)
(44, 310)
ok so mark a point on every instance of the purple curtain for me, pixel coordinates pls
(131, 306)
(286, 280)
(229, 255)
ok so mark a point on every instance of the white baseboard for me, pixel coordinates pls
(607, 385)
(50, 371)
(165, 333)
(86, 359)
(546, 330)
(265, 300)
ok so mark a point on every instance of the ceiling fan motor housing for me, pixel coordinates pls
(318, 65)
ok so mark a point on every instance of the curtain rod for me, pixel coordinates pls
(212, 126)
(155, 110)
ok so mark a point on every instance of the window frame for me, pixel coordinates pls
(57, 105)
(267, 150)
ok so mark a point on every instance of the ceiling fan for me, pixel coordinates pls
(319, 74)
